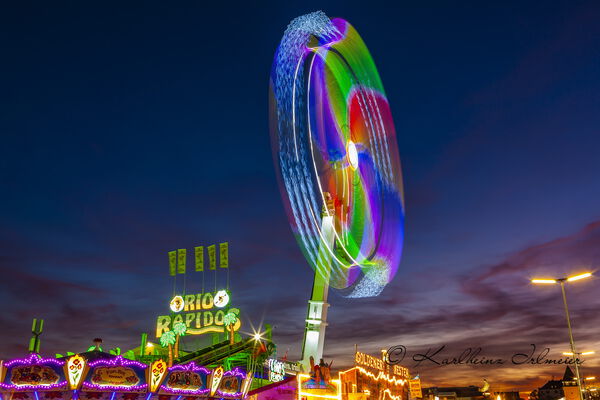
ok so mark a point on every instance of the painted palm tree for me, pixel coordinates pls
(180, 329)
(230, 319)
(167, 339)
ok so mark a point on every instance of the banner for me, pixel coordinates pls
(212, 257)
(181, 256)
(199, 252)
(173, 262)
(224, 254)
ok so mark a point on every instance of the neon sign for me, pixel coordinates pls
(369, 361)
(201, 313)
(276, 370)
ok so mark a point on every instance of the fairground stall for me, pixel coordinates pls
(101, 376)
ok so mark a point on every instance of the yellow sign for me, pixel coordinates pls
(156, 373)
(33, 375)
(369, 361)
(74, 370)
(199, 315)
(215, 380)
(115, 376)
(400, 370)
(415, 388)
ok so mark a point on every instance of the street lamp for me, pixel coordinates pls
(562, 281)
(585, 353)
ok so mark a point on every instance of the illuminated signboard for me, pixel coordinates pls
(189, 379)
(33, 373)
(75, 368)
(276, 370)
(400, 370)
(232, 384)
(215, 380)
(201, 313)
(415, 388)
(157, 372)
(369, 361)
(366, 360)
(117, 374)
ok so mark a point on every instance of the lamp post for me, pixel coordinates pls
(562, 281)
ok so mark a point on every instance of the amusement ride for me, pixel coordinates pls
(336, 156)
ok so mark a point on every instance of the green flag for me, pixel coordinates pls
(173, 262)
(224, 254)
(181, 256)
(199, 252)
(212, 256)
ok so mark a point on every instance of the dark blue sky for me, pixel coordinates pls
(133, 128)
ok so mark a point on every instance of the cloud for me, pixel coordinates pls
(494, 307)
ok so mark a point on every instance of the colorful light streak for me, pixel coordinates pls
(336, 147)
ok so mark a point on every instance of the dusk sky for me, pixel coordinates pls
(130, 129)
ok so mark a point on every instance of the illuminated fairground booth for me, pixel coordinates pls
(369, 378)
(198, 351)
(116, 378)
(373, 378)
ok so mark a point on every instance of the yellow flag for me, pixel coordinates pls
(224, 254)
(181, 256)
(199, 258)
(212, 256)
(173, 262)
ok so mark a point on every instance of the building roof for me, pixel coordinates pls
(552, 385)
(569, 375)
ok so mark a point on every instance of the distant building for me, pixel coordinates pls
(454, 393)
(556, 389)
(552, 390)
